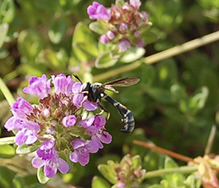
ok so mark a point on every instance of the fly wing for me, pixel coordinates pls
(110, 88)
(122, 82)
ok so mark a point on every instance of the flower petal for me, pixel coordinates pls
(90, 106)
(37, 162)
(63, 166)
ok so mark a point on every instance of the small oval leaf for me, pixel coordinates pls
(132, 55)
(104, 60)
(3, 33)
(41, 177)
(24, 149)
(7, 151)
(99, 182)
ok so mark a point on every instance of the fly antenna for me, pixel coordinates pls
(77, 78)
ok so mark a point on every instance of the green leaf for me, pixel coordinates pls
(160, 95)
(149, 37)
(36, 70)
(171, 13)
(132, 54)
(41, 177)
(83, 43)
(177, 93)
(169, 163)
(7, 151)
(57, 30)
(18, 182)
(97, 28)
(197, 102)
(3, 33)
(99, 182)
(7, 140)
(167, 73)
(151, 160)
(6, 177)
(193, 181)
(24, 149)
(6, 11)
(50, 58)
(136, 161)
(30, 43)
(108, 173)
(104, 60)
(156, 186)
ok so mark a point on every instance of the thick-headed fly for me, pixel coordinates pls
(96, 91)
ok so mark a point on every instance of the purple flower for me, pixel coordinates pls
(140, 43)
(79, 98)
(104, 137)
(28, 134)
(93, 124)
(51, 165)
(86, 123)
(48, 157)
(46, 150)
(122, 20)
(98, 11)
(21, 108)
(63, 84)
(82, 150)
(110, 35)
(124, 45)
(94, 127)
(50, 122)
(69, 120)
(104, 39)
(90, 106)
(14, 123)
(123, 27)
(38, 86)
(135, 3)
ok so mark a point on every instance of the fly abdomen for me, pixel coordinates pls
(128, 118)
(129, 122)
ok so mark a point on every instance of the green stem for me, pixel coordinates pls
(162, 172)
(9, 97)
(161, 56)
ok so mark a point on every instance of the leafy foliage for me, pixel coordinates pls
(175, 104)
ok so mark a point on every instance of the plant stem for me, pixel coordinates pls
(161, 56)
(9, 97)
(210, 140)
(162, 172)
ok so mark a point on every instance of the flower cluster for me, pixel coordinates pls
(206, 170)
(122, 23)
(127, 173)
(59, 123)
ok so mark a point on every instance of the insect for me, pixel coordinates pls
(96, 91)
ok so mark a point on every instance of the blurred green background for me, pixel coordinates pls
(176, 102)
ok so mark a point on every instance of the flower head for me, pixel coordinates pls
(57, 122)
(122, 20)
(127, 173)
(206, 172)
